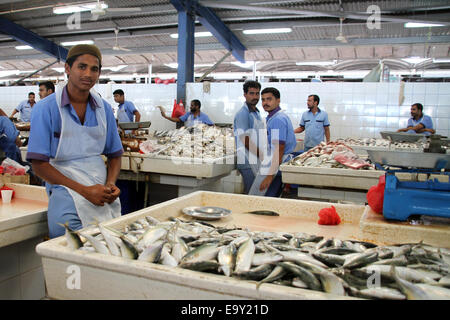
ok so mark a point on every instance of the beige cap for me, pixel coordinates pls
(85, 49)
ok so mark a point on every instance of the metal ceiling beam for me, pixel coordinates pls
(222, 33)
(32, 39)
(185, 48)
(311, 13)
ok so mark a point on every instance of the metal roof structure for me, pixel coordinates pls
(145, 29)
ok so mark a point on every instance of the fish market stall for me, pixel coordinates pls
(189, 159)
(331, 171)
(23, 224)
(277, 252)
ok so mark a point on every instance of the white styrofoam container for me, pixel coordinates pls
(190, 167)
(109, 277)
(330, 177)
(376, 229)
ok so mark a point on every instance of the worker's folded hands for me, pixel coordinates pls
(99, 194)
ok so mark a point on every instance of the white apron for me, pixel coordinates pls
(123, 117)
(265, 165)
(78, 157)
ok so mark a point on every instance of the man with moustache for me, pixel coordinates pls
(25, 108)
(315, 123)
(419, 123)
(246, 125)
(280, 145)
(191, 118)
(70, 130)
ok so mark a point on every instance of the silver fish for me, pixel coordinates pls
(205, 252)
(127, 249)
(360, 260)
(412, 291)
(98, 245)
(152, 235)
(112, 244)
(152, 253)
(381, 293)
(72, 237)
(331, 283)
(399, 261)
(307, 276)
(277, 273)
(166, 258)
(179, 249)
(404, 273)
(257, 273)
(298, 283)
(244, 256)
(264, 258)
(227, 259)
(435, 292)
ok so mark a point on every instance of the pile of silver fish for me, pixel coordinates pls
(199, 141)
(323, 156)
(383, 143)
(339, 267)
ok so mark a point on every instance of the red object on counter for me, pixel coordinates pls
(1, 169)
(329, 216)
(375, 195)
(7, 188)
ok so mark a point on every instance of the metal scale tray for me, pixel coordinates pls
(406, 159)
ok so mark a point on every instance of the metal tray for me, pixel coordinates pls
(405, 159)
(207, 213)
(134, 125)
(401, 136)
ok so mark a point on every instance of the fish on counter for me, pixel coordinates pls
(297, 260)
(199, 141)
(383, 143)
(331, 155)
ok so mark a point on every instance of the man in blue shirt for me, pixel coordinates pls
(127, 110)
(191, 118)
(70, 130)
(315, 124)
(9, 139)
(247, 122)
(280, 145)
(25, 108)
(418, 123)
(45, 89)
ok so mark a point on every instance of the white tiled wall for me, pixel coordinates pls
(354, 109)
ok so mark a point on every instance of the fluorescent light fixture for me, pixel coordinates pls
(247, 64)
(60, 70)
(196, 35)
(117, 68)
(174, 65)
(74, 43)
(421, 25)
(265, 31)
(441, 60)
(6, 73)
(414, 60)
(79, 8)
(24, 47)
(316, 63)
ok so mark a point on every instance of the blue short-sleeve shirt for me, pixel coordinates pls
(46, 127)
(280, 130)
(130, 109)
(25, 110)
(244, 122)
(425, 121)
(8, 135)
(202, 117)
(314, 125)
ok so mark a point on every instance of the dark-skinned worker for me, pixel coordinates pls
(70, 131)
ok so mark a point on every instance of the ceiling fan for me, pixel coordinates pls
(99, 10)
(341, 37)
(116, 47)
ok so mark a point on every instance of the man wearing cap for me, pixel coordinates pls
(70, 130)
